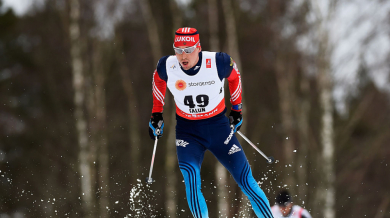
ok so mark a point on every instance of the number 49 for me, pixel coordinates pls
(202, 100)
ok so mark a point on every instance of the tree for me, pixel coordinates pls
(97, 110)
(88, 198)
(326, 191)
(232, 45)
(221, 177)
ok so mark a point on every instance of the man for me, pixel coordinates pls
(196, 80)
(284, 207)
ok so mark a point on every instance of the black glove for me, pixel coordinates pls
(235, 118)
(156, 125)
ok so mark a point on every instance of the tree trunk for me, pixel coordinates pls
(170, 164)
(327, 189)
(151, 25)
(232, 42)
(325, 195)
(99, 133)
(231, 31)
(286, 96)
(213, 25)
(302, 111)
(176, 15)
(170, 155)
(221, 177)
(169, 112)
(79, 100)
(133, 119)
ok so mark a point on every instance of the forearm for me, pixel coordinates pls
(235, 89)
(159, 89)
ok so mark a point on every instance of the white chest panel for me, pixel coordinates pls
(199, 96)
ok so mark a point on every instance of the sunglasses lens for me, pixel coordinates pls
(178, 50)
(189, 50)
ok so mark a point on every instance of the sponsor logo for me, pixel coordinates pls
(184, 39)
(208, 63)
(220, 91)
(197, 110)
(181, 143)
(196, 67)
(173, 67)
(229, 137)
(208, 83)
(186, 29)
(180, 85)
(200, 115)
(234, 149)
(231, 61)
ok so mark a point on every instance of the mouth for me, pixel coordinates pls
(184, 63)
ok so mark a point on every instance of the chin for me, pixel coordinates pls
(186, 67)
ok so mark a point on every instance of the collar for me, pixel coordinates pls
(195, 69)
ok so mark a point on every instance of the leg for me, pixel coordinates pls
(190, 158)
(233, 158)
(254, 193)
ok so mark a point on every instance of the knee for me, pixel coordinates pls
(190, 173)
(245, 179)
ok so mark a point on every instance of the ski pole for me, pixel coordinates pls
(269, 159)
(149, 179)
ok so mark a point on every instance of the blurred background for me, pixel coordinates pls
(76, 99)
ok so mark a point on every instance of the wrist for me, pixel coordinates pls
(157, 116)
(237, 107)
(235, 113)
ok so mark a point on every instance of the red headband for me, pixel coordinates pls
(186, 36)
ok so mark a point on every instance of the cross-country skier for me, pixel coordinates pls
(284, 207)
(196, 80)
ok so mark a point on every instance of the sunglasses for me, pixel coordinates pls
(187, 50)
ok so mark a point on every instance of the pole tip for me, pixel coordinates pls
(270, 160)
(149, 180)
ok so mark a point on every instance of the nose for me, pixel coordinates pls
(184, 55)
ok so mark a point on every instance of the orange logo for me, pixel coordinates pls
(180, 85)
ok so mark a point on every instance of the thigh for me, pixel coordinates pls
(189, 150)
(230, 155)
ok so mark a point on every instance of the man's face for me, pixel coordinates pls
(187, 61)
(285, 210)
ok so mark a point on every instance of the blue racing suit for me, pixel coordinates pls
(193, 139)
(202, 125)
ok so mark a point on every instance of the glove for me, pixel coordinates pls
(156, 125)
(235, 118)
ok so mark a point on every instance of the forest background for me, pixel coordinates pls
(76, 99)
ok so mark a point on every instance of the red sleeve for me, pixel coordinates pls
(235, 86)
(159, 88)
